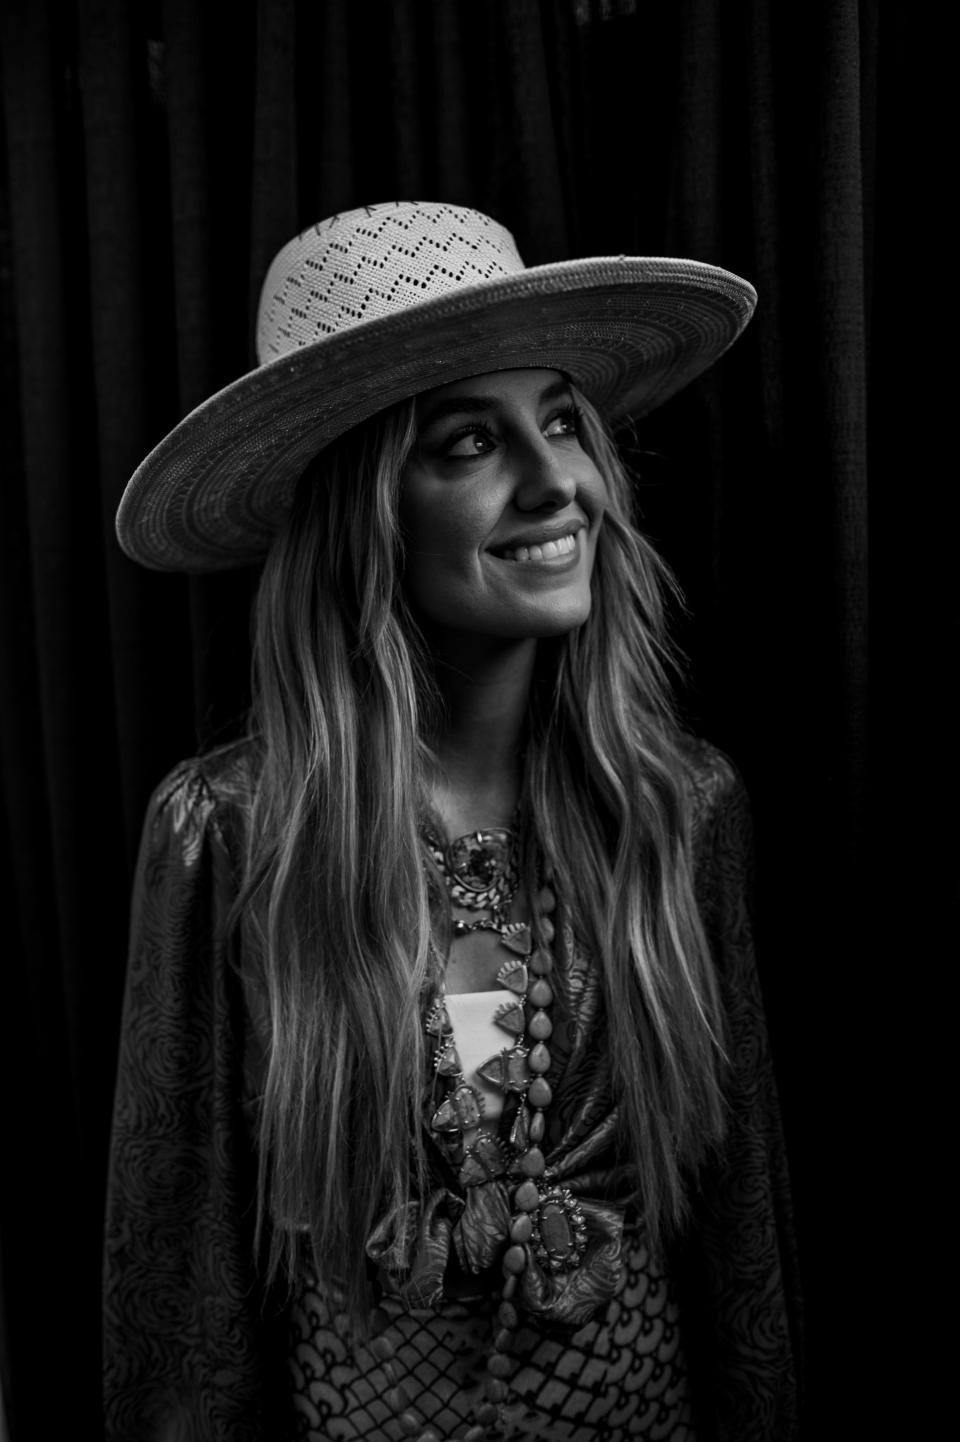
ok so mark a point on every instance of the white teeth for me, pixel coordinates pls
(544, 552)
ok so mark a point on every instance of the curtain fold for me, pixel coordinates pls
(152, 160)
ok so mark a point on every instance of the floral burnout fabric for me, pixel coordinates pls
(194, 1349)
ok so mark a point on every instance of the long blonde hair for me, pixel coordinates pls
(336, 910)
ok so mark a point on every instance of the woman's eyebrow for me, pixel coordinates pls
(456, 406)
(474, 405)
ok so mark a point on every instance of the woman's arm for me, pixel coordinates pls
(741, 1264)
(183, 1334)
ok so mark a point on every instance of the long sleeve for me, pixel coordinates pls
(742, 1261)
(182, 1310)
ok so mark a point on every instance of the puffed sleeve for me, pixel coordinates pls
(742, 1267)
(183, 1318)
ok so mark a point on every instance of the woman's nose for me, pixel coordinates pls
(545, 478)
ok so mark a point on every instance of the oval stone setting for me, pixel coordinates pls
(560, 1232)
(556, 1233)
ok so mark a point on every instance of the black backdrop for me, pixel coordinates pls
(153, 157)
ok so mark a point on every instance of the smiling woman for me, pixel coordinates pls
(444, 1108)
(500, 509)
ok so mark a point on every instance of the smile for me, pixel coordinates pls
(547, 551)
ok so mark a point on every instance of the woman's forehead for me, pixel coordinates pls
(493, 388)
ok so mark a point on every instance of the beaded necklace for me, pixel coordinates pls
(481, 873)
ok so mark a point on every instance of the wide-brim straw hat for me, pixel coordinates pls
(379, 304)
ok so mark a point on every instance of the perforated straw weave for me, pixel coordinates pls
(373, 263)
(379, 304)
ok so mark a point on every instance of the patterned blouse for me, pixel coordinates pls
(700, 1346)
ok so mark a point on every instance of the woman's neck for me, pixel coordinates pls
(480, 747)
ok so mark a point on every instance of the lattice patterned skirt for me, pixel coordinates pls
(621, 1376)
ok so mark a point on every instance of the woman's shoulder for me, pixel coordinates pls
(721, 825)
(712, 777)
(204, 792)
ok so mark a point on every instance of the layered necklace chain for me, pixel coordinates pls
(481, 871)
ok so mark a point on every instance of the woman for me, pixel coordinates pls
(443, 1106)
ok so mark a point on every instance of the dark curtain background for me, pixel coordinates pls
(153, 156)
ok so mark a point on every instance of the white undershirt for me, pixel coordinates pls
(478, 1038)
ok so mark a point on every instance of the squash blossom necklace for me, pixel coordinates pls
(481, 872)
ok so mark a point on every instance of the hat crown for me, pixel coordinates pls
(372, 262)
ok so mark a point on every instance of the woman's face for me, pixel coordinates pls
(500, 509)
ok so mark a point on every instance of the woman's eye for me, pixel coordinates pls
(469, 444)
(564, 423)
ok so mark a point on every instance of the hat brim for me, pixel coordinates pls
(630, 332)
